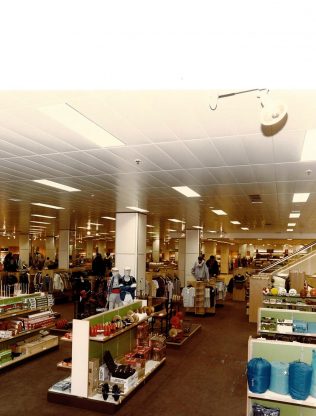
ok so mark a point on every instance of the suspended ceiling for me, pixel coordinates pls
(224, 155)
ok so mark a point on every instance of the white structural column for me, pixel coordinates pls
(243, 250)
(156, 250)
(50, 250)
(192, 251)
(24, 248)
(224, 258)
(102, 247)
(89, 248)
(181, 260)
(130, 245)
(63, 251)
(209, 249)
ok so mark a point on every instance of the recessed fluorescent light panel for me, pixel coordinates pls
(110, 218)
(291, 224)
(56, 185)
(245, 228)
(309, 146)
(300, 197)
(40, 222)
(235, 222)
(138, 209)
(186, 191)
(175, 220)
(197, 226)
(150, 226)
(211, 231)
(42, 216)
(219, 212)
(79, 123)
(39, 204)
(15, 199)
(289, 229)
(294, 215)
(170, 230)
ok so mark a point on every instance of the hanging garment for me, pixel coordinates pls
(188, 295)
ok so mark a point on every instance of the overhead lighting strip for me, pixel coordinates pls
(186, 191)
(300, 197)
(73, 119)
(138, 209)
(39, 204)
(56, 185)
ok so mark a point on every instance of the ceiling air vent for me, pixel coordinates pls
(255, 199)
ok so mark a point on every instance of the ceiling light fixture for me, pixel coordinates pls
(291, 224)
(294, 215)
(235, 222)
(289, 229)
(175, 220)
(42, 216)
(39, 204)
(81, 124)
(219, 212)
(300, 197)
(138, 209)
(273, 111)
(150, 226)
(56, 185)
(197, 226)
(40, 222)
(309, 146)
(186, 191)
(244, 228)
(110, 218)
(15, 199)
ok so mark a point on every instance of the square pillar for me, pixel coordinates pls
(24, 249)
(181, 261)
(50, 250)
(63, 252)
(192, 251)
(130, 245)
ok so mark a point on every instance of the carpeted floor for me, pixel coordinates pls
(204, 377)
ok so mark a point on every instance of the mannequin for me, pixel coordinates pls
(114, 289)
(128, 286)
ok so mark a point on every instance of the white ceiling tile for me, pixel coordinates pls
(242, 173)
(232, 152)
(160, 158)
(205, 152)
(181, 154)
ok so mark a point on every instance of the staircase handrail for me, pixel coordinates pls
(270, 266)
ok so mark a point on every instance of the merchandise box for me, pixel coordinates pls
(127, 383)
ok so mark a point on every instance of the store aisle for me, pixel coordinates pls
(204, 377)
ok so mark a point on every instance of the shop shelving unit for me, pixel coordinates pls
(289, 302)
(289, 315)
(86, 348)
(11, 308)
(285, 352)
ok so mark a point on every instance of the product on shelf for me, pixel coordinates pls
(259, 410)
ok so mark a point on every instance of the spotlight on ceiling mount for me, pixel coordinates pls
(273, 111)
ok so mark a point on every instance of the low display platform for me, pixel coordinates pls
(96, 402)
(178, 341)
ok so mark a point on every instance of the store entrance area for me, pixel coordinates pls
(204, 377)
